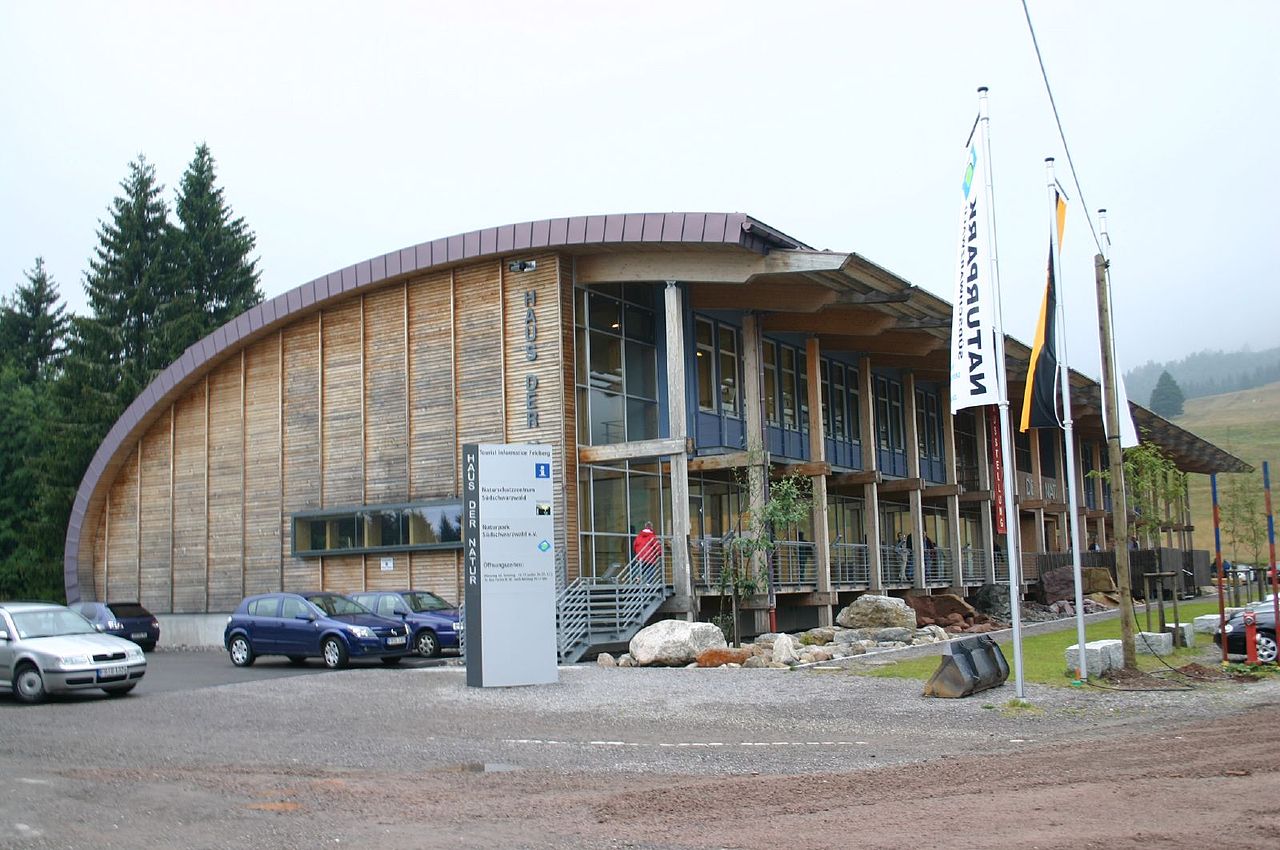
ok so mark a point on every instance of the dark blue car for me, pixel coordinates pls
(299, 626)
(128, 620)
(433, 621)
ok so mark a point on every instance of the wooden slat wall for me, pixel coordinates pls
(262, 469)
(569, 436)
(386, 444)
(301, 444)
(478, 346)
(341, 440)
(156, 518)
(189, 504)
(431, 397)
(122, 547)
(99, 557)
(226, 466)
(436, 570)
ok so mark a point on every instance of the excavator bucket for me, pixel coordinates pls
(969, 665)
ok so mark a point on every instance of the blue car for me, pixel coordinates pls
(128, 620)
(433, 621)
(299, 626)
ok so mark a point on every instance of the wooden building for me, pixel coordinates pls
(669, 359)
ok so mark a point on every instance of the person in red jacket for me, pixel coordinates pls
(647, 546)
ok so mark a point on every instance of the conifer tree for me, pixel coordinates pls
(1167, 398)
(214, 251)
(33, 325)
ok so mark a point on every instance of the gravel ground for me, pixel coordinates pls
(417, 756)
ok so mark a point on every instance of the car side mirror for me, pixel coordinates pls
(400, 610)
(306, 615)
(4, 635)
(98, 627)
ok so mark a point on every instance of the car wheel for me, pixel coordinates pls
(241, 652)
(427, 644)
(148, 647)
(1266, 648)
(118, 692)
(393, 660)
(297, 659)
(28, 685)
(334, 653)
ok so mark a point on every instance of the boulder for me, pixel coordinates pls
(1057, 584)
(1099, 656)
(870, 611)
(930, 634)
(784, 650)
(895, 635)
(766, 639)
(940, 609)
(819, 636)
(847, 636)
(1096, 580)
(821, 655)
(625, 660)
(674, 643)
(1184, 634)
(1153, 643)
(1205, 624)
(992, 600)
(604, 659)
(754, 662)
(716, 657)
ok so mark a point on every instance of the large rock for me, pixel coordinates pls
(992, 600)
(1096, 580)
(895, 635)
(716, 657)
(1153, 643)
(1058, 584)
(938, 609)
(784, 650)
(1184, 634)
(674, 643)
(1206, 624)
(1099, 656)
(877, 612)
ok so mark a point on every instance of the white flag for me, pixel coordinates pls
(973, 323)
(1128, 433)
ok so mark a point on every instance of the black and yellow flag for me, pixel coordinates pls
(1040, 402)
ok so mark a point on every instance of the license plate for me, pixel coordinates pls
(396, 641)
(139, 635)
(113, 671)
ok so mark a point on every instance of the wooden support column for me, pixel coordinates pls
(818, 452)
(758, 461)
(984, 484)
(953, 502)
(1037, 485)
(871, 490)
(678, 424)
(1098, 498)
(913, 471)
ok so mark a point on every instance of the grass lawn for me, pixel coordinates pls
(1044, 656)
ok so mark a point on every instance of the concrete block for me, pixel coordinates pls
(1099, 656)
(1206, 624)
(1153, 643)
(1230, 612)
(1184, 633)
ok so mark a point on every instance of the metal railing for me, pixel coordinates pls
(896, 566)
(609, 608)
(973, 567)
(939, 566)
(1002, 568)
(794, 563)
(707, 557)
(851, 564)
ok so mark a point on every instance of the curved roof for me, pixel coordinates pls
(728, 229)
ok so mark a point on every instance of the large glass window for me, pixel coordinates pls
(788, 378)
(770, 356)
(616, 364)
(704, 335)
(616, 502)
(378, 528)
(729, 399)
(889, 424)
(928, 426)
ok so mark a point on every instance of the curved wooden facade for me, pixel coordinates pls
(359, 389)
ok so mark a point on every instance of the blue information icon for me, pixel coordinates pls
(542, 470)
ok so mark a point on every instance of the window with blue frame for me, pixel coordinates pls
(718, 371)
(929, 436)
(839, 384)
(616, 361)
(786, 399)
(890, 429)
(1086, 475)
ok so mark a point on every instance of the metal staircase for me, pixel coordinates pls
(593, 611)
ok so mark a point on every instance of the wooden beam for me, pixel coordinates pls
(975, 496)
(809, 468)
(1097, 514)
(731, 460)
(812, 598)
(846, 479)
(1031, 504)
(693, 265)
(762, 296)
(874, 297)
(921, 324)
(836, 320)
(939, 491)
(892, 342)
(640, 448)
(901, 485)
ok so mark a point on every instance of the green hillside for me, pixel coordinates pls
(1247, 424)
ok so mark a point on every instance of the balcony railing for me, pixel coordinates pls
(794, 563)
(851, 565)
(938, 567)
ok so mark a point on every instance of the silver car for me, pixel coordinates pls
(49, 649)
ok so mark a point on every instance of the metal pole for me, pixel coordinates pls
(1115, 455)
(1271, 537)
(1064, 379)
(1217, 557)
(1006, 439)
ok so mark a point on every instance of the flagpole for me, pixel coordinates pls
(1064, 379)
(1013, 544)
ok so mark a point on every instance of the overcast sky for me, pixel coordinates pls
(345, 130)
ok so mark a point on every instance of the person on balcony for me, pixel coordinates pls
(647, 546)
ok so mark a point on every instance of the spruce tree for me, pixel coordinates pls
(1167, 398)
(214, 248)
(33, 325)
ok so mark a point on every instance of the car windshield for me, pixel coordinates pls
(128, 609)
(421, 600)
(51, 622)
(335, 605)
